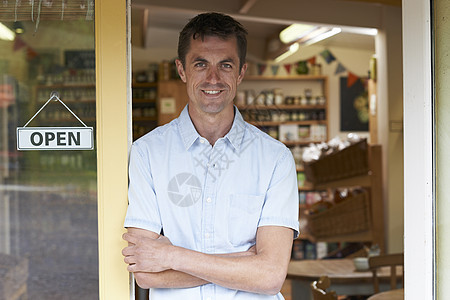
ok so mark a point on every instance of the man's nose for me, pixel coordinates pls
(213, 75)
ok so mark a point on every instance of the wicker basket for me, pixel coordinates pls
(350, 216)
(348, 162)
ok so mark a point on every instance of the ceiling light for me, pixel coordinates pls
(292, 49)
(295, 32)
(321, 36)
(6, 33)
(18, 27)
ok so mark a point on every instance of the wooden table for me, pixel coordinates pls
(345, 280)
(389, 295)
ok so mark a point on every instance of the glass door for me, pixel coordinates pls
(48, 198)
(62, 208)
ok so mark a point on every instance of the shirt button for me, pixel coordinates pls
(209, 200)
(202, 141)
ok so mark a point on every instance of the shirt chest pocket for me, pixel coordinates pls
(244, 214)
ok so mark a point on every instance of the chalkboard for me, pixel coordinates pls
(80, 59)
(354, 106)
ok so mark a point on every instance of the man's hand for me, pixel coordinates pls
(146, 254)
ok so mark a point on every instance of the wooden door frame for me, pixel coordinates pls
(113, 139)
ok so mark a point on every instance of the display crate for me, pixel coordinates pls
(348, 162)
(350, 216)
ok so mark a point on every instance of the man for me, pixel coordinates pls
(224, 194)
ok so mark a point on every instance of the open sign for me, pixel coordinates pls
(55, 138)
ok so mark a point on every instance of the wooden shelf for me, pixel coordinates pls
(140, 100)
(300, 143)
(286, 78)
(361, 180)
(274, 123)
(145, 119)
(281, 107)
(145, 85)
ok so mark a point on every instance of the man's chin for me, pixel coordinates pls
(215, 108)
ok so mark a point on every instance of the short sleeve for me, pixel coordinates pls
(281, 206)
(143, 211)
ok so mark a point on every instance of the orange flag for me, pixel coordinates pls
(351, 79)
(312, 60)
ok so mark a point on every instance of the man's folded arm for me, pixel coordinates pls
(264, 272)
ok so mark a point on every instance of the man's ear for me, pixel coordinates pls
(242, 73)
(180, 70)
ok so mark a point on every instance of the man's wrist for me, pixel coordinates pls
(172, 257)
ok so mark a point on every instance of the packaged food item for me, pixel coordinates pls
(278, 96)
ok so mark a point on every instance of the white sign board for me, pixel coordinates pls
(55, 138)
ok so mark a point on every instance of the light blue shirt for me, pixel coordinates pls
(209, 198)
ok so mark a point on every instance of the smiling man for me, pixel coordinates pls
(223, 193)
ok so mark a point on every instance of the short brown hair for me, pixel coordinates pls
(213, 24)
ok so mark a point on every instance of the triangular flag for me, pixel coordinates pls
(274, 69)
(31, 53)
(326, 54)
(288, 68)
(261, 68)
(340, 69)
(18, 44)
(351, 79)
(312, 61)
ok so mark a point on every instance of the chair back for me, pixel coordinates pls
(386, 260)
(318, 289)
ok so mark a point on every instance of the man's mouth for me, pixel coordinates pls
(209, 92)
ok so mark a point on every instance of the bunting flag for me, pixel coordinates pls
(312, 61)
(340, 69)
(261, 68)
(326, 54)
(274, 69)
(287, 67)
(301, 67)
(18, 44)
(31, 53)
(351, 79)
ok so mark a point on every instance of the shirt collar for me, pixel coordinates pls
(189, 134)
(187, 130)
(236, 133)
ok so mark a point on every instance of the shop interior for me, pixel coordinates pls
(331, 91)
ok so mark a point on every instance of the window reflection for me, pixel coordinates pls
(48, 199)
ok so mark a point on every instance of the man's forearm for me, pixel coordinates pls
(238, 273)
(177, 279)
(262, 273)
(167, 279)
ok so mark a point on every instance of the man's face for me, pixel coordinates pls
(211, 73)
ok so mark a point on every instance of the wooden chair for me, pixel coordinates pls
(387, 260)
(318, 289)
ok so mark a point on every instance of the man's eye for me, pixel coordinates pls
(227, 66)
(200, 65)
